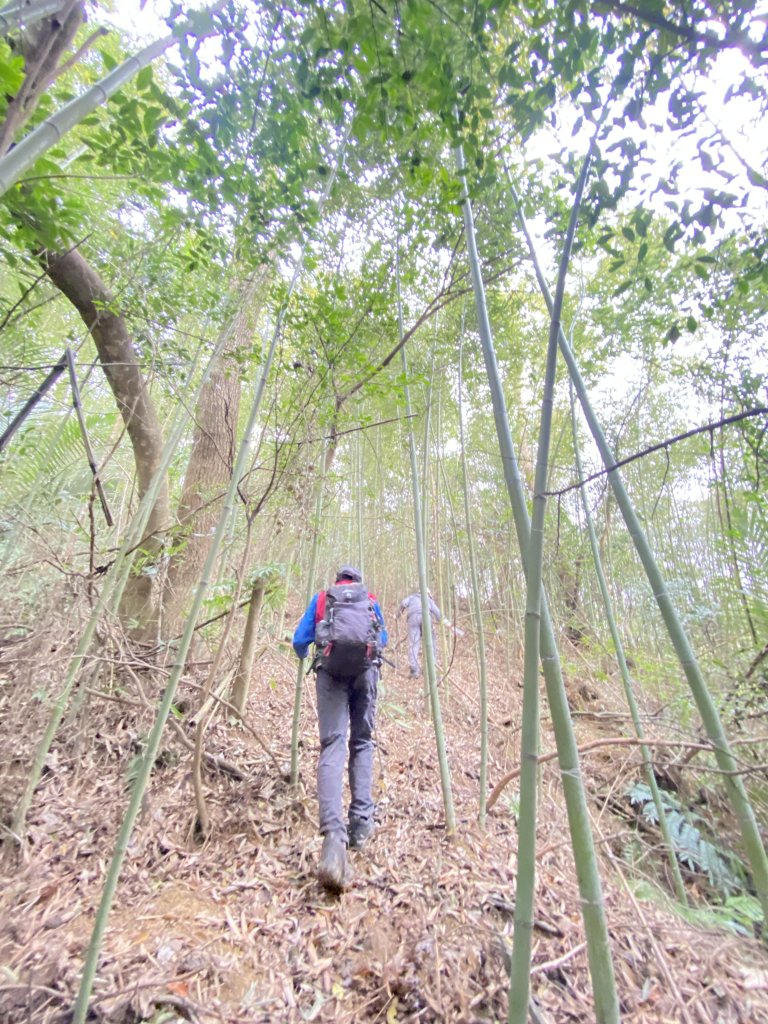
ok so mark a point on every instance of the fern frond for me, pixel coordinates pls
(725, 872)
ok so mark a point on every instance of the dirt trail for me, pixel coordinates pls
(238, 929)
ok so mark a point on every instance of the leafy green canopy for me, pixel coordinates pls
(223, 154)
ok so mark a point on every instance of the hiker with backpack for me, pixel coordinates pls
(346, 626)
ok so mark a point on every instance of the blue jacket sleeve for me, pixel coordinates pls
(305, 631)
(383, 635)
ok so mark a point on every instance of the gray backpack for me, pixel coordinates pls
(346, 629)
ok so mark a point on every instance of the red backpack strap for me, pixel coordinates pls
(320, 607)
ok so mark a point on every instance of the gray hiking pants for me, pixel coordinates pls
(345, 704)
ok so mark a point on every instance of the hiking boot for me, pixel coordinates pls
(359, 830)
(332, 868)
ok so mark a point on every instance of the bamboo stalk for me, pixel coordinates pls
(54, 128)
(601, 967)
(77, 405)
(519, 996)
(27, 14)
(476, 603)
(359, 466)
(424, 499)
(626, 678)
(21, 415)
(740, 802)
(421, 559)
(153, 741)
(302, 666)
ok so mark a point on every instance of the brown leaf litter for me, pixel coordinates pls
(238, 929)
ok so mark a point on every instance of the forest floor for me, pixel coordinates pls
(237, 929)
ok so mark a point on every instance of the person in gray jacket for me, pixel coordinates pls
(411, 605)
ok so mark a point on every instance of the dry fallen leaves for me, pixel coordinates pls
(238, 930)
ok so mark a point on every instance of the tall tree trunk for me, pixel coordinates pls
(210, 463)
(209, 467)
(82, 285)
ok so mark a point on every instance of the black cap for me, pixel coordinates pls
(348, 572)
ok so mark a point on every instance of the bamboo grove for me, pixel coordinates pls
(299, 260)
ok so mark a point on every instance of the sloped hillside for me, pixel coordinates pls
(238, 930)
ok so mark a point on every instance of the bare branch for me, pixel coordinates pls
(708, 428)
